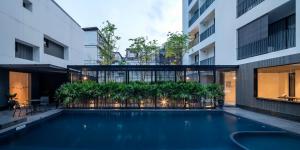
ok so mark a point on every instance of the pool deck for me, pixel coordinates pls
(28, 119)
(284, 124)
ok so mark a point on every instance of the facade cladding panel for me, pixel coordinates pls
(246, 96)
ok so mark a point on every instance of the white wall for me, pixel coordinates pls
(226, 25)
(46, 18)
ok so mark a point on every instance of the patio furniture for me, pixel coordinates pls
(44, 103)
(22, 107)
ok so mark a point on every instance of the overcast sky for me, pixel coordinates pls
(133, 18)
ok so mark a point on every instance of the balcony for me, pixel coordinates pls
(190, 1)
(194, 42)
(281, 40)
(205, 5)
(194, 17)
(195, 63)
(207, 33)
(244, 6)
(208, 61)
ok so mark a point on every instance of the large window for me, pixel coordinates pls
(279, 83)
(54, 49)
(23, 51)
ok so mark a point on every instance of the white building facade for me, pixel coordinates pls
(258, 35)
(38, 41)
(92, 46)
(39, 25)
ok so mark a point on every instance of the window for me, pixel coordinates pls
(27, 4)
(53, 49)
(279, 83)
(261, 37)
(23, 51)
(196, 59)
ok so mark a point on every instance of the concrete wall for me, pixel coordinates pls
(245, 87)
(30, 27)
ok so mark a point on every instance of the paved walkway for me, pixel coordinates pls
(33, 118)
(284, 124)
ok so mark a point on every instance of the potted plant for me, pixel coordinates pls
(12, 100)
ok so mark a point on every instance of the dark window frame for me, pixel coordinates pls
(255, 84)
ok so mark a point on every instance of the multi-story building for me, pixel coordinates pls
(131, 58)
(258, 35)
(92, 46)
(38, 40)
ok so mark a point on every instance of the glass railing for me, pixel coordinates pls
(195, 63)
(208, 32)
(208, 61)
(279, 41)
(194, 17)
(205, 5)
(246, 5)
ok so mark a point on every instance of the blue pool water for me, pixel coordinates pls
(134, 130)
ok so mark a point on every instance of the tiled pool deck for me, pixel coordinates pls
(284, 124)
(29, 119)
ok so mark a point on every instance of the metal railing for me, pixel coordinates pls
(209, 61)
(194, 42)
(279, 41)
(205, 5)
(208, 32)
(194, 17)
(246, 5)
(195, 63)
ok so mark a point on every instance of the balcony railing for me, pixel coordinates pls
(205, 5)
(279, 41)
(194, 42)
(208, 32)
(246, 5)
(195, 63)
(208, 61)
(194, 17)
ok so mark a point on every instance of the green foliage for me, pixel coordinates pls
(176, 46)
(144, 49)
(108, 43)
(135, 92)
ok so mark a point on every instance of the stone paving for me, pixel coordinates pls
(29, 119)
(284, 124)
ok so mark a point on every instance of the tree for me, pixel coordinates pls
(144, 49)
(176, 46)
(108, 40)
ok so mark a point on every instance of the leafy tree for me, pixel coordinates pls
(176, 46)
(108, 40)
(144, 49)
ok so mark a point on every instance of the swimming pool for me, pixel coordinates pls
(134, 130)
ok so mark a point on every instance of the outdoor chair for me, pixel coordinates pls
(44, 104)
(24, 107)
